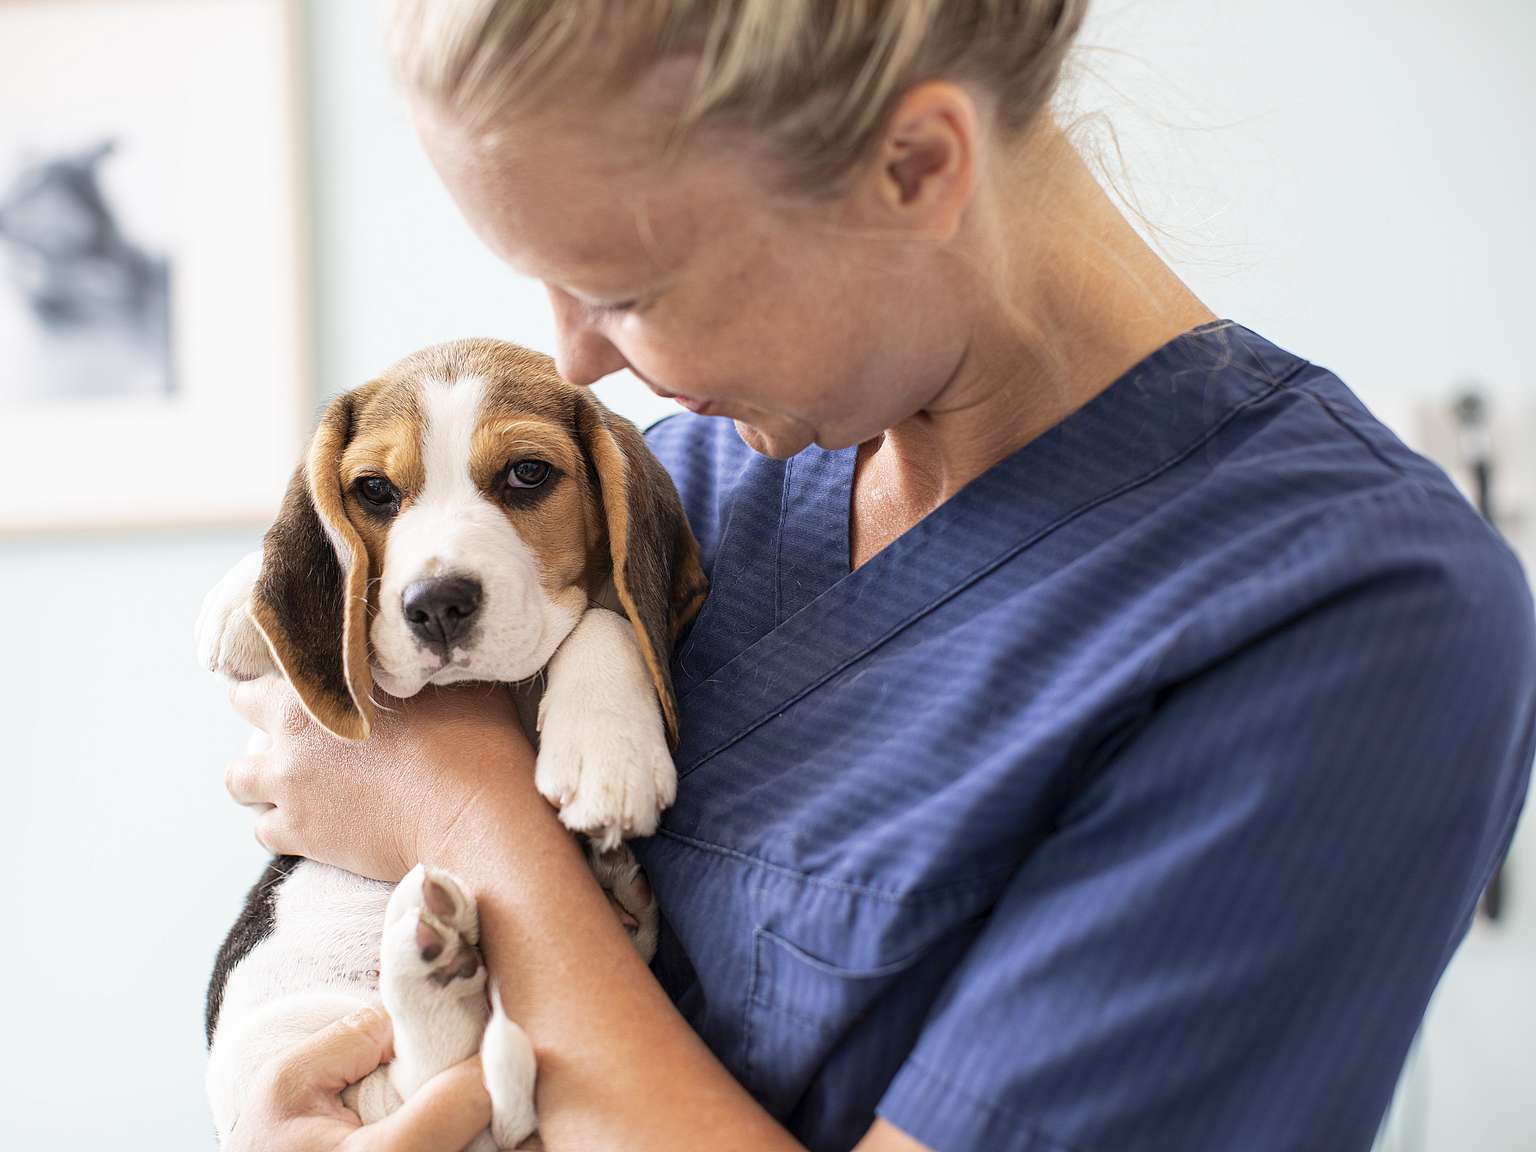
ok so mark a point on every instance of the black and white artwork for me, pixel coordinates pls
(85, 302)
(153, 358)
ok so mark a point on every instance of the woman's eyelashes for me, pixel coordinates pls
(617, 308)
(624, 306)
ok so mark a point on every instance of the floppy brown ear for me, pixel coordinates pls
(654, 557)
(311, 597)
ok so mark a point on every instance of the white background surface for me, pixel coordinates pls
(1349, 180)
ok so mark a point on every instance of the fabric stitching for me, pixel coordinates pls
(1333, 414)
(746, 1030)
(996, 1107)
(986, 570)
(778, 544)
(688, 680)
(918, 895)
(1146, 682)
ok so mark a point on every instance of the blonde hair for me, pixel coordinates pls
(816, 77)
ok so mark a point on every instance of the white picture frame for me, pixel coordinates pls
(153, 332)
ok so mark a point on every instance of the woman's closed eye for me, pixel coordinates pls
(616, 308)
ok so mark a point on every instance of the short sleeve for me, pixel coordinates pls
(1230, 938)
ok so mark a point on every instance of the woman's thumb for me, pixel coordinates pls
(444, 1115)
(338, 1055)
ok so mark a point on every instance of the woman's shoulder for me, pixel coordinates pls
(1296, 506)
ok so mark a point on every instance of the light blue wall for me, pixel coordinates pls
(124, 861)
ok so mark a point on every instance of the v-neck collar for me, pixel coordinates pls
(825, 616)
(814, 544)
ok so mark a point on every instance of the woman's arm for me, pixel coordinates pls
(618, 1066)
(446, 778)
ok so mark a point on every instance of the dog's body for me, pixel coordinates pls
(465, 517)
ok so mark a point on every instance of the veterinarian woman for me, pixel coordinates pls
(1100, 729)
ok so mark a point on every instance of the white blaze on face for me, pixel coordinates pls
(453, 528)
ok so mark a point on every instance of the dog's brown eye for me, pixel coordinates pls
(527, 473)
(377, 491)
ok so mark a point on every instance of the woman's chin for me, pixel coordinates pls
(776, 443)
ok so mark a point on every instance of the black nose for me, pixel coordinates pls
(441, 609)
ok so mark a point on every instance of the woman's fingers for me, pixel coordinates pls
(320, 1066)
(268, 703)
(250, 699)
(248, 783)
(444, 1115)
(275, 835)
(244, 781)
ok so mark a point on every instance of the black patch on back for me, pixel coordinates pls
(253, 926)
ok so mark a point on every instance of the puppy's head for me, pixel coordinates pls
(452, 521)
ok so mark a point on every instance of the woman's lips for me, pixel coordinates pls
(699, 407)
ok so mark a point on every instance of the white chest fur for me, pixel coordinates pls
(325, 931)
(319, 962)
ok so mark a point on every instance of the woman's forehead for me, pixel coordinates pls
(555, 196)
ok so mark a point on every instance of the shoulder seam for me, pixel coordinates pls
(1333, 414)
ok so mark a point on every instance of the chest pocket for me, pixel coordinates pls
(838, 1033)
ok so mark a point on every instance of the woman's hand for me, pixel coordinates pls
(296, 1105)
(378, 806)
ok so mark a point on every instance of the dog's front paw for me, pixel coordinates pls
(608, 770)
(228, 641)
(629, 892)
(431, 933)
(603, 755)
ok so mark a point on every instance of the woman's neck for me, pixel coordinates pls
(1072, 299)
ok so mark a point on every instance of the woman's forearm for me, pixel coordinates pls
(618, 1066)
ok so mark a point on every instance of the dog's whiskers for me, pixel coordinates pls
(381, 707)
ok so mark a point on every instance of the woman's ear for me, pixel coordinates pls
(310, 601)
(654, 557)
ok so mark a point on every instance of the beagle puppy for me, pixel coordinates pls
(466, 516)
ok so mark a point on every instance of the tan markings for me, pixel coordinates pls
(393, 451)
(528, 410)
(614, 472)
(317, 485)
(501, 438)
(559, 524)
(389, 446)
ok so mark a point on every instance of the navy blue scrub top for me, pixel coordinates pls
(1134, 799)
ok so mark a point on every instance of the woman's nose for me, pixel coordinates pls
(583, 355)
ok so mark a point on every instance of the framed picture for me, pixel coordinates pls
(152, 312)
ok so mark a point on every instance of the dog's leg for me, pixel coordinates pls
(619, 874)
(373, 1097)
(506, 1057)
(432, 981)
(603, 756)
(430, 976)
(228, 641)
